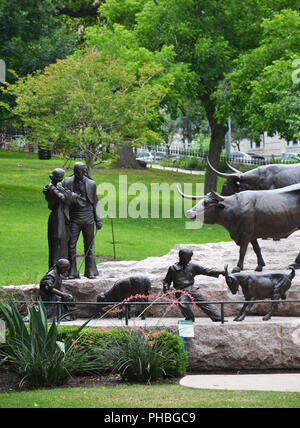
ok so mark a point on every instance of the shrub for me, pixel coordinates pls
(137, 358)
(46, 355)
(179, 363)
(194, 163)
(37, 354)
(136, 344)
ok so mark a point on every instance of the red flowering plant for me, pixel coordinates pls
(171, 297)
(144, 356)
(138, 356)
(149, 336)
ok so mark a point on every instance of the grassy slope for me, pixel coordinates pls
(24, 214)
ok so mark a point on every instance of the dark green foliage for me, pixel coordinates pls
(37, 354)
(31, 37)
(46, 355)
(173, 343)
(131, 348)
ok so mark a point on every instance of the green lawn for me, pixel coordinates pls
(24, 255)
(143, 396)
(24, 214)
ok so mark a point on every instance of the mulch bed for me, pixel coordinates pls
(10, 382)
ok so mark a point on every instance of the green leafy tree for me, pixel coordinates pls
(120, 42)
(122, 11)
(263, 92)
(89, 103)
(209, 37)
(78, 8)
(31, 37)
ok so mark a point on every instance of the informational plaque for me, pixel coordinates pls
(186, 328)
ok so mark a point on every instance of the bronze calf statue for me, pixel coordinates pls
(137, 285)
(272, 285)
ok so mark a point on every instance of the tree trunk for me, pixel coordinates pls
(89, 160)
(215, 149)
(126, 158)
(217, 143)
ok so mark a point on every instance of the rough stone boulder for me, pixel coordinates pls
(249, 345)
(277, 255)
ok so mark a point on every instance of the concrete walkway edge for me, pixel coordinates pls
(287, 382)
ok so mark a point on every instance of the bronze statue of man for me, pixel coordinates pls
(83, 216)
(182, 274)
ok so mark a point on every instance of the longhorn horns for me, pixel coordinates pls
(217, 196)
(223, 174)
(197, 198)
(193, 198)
(232, 168)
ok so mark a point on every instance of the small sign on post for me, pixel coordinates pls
(186, 329)
(2, 331)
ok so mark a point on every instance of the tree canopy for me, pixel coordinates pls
(89, 103)
(209, 37)
(31, 37)
(261, 91)
(228, 58)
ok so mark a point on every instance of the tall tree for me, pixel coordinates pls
(121, 43)
(88, 103)
(31, 37)
(78, 8)
(209, 36)
(263, 91)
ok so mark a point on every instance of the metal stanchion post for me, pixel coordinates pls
(126, 313)
(222, 313)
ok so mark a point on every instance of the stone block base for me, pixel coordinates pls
(248, 345)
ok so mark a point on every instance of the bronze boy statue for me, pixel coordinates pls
(51, 291)
(182, 274)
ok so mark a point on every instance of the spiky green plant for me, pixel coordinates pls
(36, 353)
(137, 357)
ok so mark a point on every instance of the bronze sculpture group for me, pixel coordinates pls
(83, 216)
(263, 203)
(135, 285)
(73, 203)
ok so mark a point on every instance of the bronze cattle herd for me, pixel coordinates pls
(261, 203)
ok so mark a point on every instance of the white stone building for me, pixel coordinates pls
(270, 146)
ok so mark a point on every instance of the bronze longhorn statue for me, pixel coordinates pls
(265, 177)
(250, 215)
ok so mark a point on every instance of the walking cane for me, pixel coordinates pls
(91, 244)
